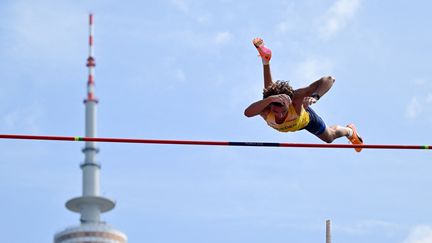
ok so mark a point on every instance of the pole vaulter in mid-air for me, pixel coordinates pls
(288, 110)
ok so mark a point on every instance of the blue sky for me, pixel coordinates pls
(186, 69)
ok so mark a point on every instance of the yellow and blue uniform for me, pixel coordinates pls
(307, 119)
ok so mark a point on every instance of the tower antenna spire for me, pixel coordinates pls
(91, 204)
(91, 63)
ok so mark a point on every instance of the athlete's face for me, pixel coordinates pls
(278, 110)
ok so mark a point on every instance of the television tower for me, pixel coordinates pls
(91, 204)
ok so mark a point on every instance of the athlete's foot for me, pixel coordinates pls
(355, 138)
(263, 51)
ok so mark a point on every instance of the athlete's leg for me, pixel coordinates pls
(333, 132)
(336, 131)
(317, 127)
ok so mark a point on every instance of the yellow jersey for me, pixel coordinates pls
(292, 122)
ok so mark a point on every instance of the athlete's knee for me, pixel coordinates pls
(328, 78)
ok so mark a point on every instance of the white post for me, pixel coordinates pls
(328, 231)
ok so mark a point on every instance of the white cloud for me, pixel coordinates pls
(185, 7)
(180, 75)
(24, 120)
(202, 19)
(414, 108)
(291, 20)
(418, 105)
(35, 31)
(420, 234)
(282, 27)
(369, 226)
(223, 37)
(420, 82)
(429, 98)
(338, 16)
(181, 5)
(312, 69)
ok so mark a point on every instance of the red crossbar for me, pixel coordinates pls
(211, 143)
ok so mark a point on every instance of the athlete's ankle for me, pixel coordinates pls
(350, 133)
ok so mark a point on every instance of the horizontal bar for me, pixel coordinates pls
(212, 143)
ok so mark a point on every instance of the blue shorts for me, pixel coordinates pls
(316, 124)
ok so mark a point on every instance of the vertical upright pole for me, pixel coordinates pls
(328, 231)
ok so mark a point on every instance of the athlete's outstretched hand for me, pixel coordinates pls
(307, 101)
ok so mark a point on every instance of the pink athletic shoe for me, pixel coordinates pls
(263, 51)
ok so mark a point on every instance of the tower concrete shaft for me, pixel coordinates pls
(90, 205)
